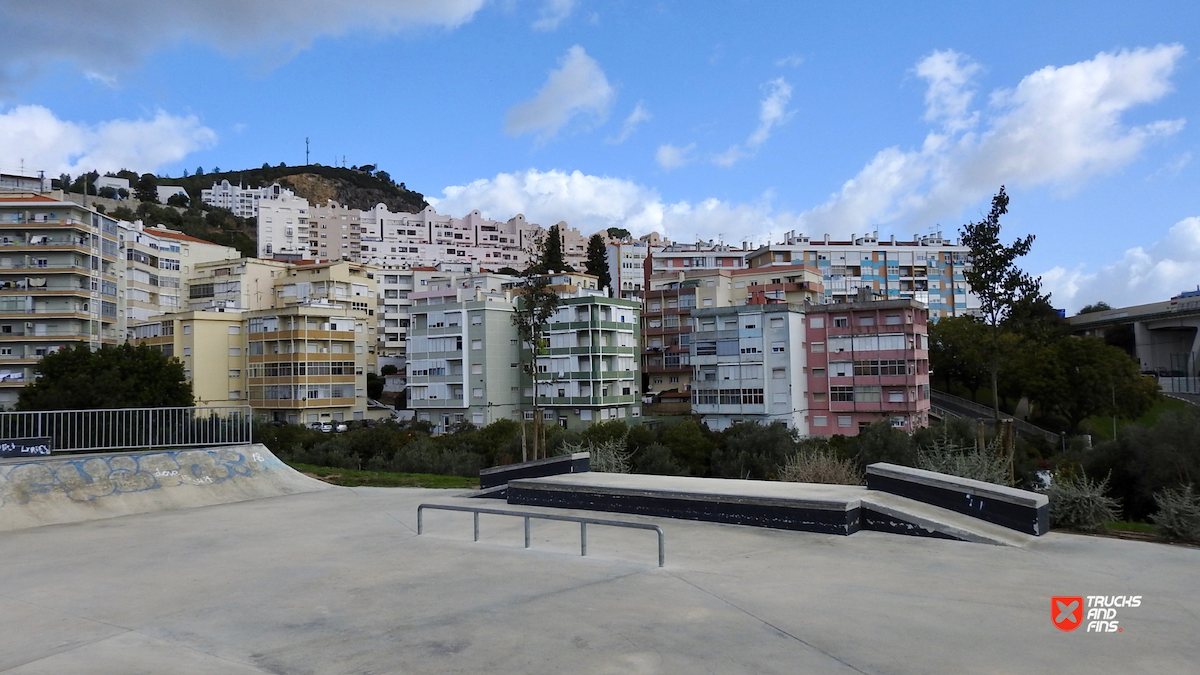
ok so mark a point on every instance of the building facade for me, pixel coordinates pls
(60, 272)
(928, 269)
(243, 201)
(749, 363)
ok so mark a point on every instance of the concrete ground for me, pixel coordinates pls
(337, 581)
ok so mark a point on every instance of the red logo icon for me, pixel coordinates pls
(1066, 612)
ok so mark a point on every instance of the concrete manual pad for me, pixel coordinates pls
(337, 581)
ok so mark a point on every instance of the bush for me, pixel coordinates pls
(1078, 503)
(881, 443)
(753, 450)
(945, 455)
(656, 459)
(821, 465)
(691, 446)
(1178, 514)
(608, 456)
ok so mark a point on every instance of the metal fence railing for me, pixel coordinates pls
(128, 428)
(944, 405)
(527, 515)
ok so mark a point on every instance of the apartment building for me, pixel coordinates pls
(867, 361)
(680, 257)
(928, 269)
(463, 352)
(671, 297)
(60, 267)
(155, 262)
(627, 268)
(243, 201)
(334, 232)
(283, 227)
(749, 364)
(590, 372)
(395, 284)
(294, 341)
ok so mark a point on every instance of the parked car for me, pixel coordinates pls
(341, 426)
(321, 426)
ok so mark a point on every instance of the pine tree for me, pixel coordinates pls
(597, 262)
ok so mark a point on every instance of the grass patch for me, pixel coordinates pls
(1100, 427)
(1125, 526)
(356, 478)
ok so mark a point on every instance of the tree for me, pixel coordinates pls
(388, 369)
(957, 352)
(146, 189)
(690, 446)
(551, 254)
(122, 193)
(752, 450)
(597, 262)
(178, 200)
(996, 280)
(536, 304)
(77, 378)
(509, 271)
(1078, 377)
(618, 232)
(108, 192)
(1101, 306)
(375, 385)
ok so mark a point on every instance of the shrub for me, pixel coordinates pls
(821, 465)
(656, 459)
(753, 450)
(881, 443)
(608, 456)
(1178, 514)
(945, 455)
(1079, 503)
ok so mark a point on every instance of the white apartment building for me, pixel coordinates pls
(243, 201)
(749, 366)
(283, 227)
(627, 268)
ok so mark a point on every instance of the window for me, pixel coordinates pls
(235, 394)
(778, 374)
(818, 372)
(477, 392)
(899, 422)
(867, 393)
(777, 322)
(778, 347)
(816, 322)
(187, 329)
(820, 421)
(844, 421)
(235, 351)
(843, 394)
(817, 347)
(476, 319)
(187, 351)
(476, 368)
(842, 368)
(892, 320)
(476, 344)
(895, 396)
(476, 418)
(866, 321)
(819, 397)
(841, 321)
(235, 373)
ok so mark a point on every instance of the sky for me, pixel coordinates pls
(729, 120)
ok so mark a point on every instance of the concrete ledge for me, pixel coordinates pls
(550, 466)
(1020, 510)
(829, 509)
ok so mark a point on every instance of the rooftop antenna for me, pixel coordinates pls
(306, 150)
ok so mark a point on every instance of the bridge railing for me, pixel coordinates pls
(945, 404)
(125, 428)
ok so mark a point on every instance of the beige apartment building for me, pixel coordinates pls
(60, 266)
(292, 340)
(157, 260)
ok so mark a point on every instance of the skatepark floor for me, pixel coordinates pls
(337, 581)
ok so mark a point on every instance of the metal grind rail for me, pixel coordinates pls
(583, 523)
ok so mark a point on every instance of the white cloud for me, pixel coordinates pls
(42, 141)
(553, 13)
(672, 156)
(1173, 167)
(1059, 126)
(103, 42)
(577, 87)
(591, 203)
(635, 119)
(790, 61)
(948, 98)
(1167, 267)
(772, 113)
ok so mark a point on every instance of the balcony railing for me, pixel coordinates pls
(130, 428)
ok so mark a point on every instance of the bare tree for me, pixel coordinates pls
(534, 307)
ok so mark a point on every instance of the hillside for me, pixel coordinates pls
(355, 188)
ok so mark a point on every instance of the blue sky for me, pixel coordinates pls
(738, 120)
